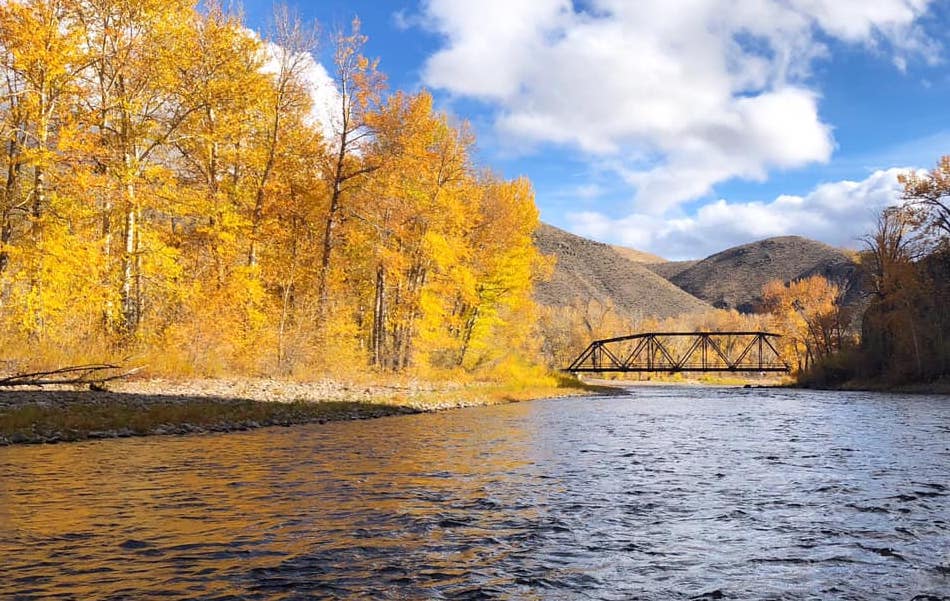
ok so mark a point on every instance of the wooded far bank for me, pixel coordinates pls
(171, 192)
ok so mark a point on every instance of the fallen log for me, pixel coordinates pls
(93, 375)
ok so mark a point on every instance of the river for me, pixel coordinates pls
(663, 493)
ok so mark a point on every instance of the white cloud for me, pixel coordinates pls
(324, 95)
(838, 213)
(676, 97)
(584, 192)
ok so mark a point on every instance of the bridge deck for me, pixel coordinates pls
(671, 352)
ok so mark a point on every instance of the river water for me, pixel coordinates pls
(664, 493)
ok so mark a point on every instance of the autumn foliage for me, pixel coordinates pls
(169, 189)
(906, 333)
(812, 318)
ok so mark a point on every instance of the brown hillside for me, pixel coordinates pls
(668, 269)
(733, 278)
(592, 270)
(637, 256)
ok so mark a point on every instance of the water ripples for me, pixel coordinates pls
(667, 493)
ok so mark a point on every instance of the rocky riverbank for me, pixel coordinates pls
(163, 407)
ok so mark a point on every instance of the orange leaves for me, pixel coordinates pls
(808, 312)
(906, 262)
(360, 82)
(930, 193)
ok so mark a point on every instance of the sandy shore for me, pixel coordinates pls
(162, 407)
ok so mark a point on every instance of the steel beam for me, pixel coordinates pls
(599, 357)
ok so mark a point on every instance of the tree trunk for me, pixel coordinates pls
(379, 317)
(467, 335)
(39, 193)
(403, 350)
(9, 199)
(130, 316)
(255, 227)
(258, 215)
(287, 298)
(322, 291)
(6, 233)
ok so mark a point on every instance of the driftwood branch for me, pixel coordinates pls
(93, 375)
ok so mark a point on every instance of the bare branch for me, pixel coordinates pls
(74, 375)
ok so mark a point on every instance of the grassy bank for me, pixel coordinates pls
(941, 386)
(181, 407)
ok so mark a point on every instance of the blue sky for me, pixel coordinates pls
(679, 128)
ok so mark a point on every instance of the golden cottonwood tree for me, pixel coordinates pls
(136, 106)
(414, 220)
(359, 88)
(906, 328)
(810, 316)
(283, 108)
(43, 59)
(502, 266)
(931, 194)
(452, 257)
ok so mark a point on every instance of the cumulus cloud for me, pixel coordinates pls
(324, 95)
(675, 98)
(838, 213)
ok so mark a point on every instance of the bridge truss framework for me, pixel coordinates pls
(673, 352)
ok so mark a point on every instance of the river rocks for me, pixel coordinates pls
(161, 407)
(19, 438)
(284, 391)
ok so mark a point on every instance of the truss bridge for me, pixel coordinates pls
(673, 352)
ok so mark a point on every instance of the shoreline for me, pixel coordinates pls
(691, 382)
(157, 407)
(167, 407)
(939, 387)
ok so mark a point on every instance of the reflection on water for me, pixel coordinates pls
(668, 493)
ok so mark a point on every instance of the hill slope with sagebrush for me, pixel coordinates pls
(669, 269)
(733, 278)
(588, 270)
(638, 256)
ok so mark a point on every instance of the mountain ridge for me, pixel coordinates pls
(729, 279)
(586, 269)
(733, 278)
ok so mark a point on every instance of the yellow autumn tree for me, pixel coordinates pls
(809, 314)
(359, 85)
(413, 222)
(496, 306)
(44, 263)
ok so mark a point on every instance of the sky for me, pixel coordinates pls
(677, 127)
